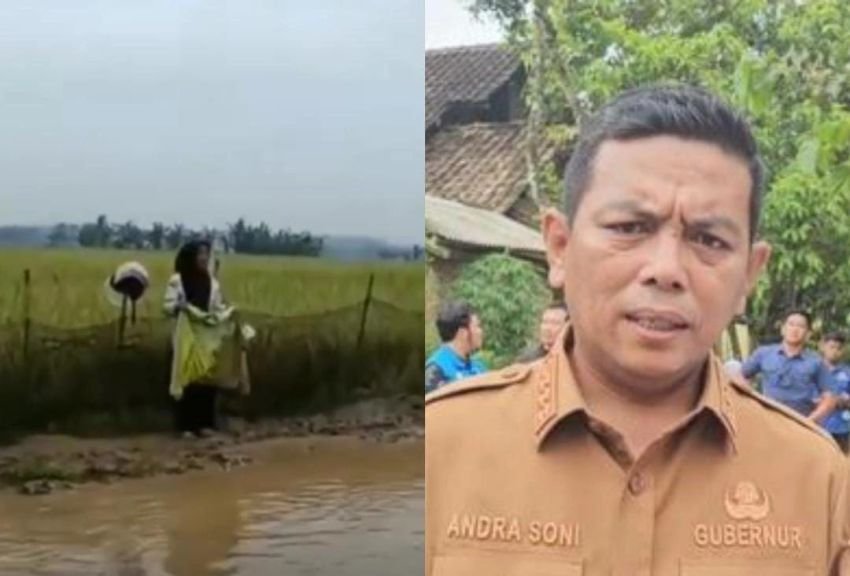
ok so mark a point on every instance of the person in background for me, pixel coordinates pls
(838, 423)
(460, 332)
(193, 284)
(551, 323)
(792, 375)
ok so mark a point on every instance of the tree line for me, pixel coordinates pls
(241, 237)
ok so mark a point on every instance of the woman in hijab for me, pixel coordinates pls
(193, 284)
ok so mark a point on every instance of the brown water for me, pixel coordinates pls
(313, 507)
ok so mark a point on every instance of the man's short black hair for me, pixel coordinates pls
(838, 337)
(799, 312)
(683, 111)
(452, 317)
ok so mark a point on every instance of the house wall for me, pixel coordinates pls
(445, 272)
(506, 103)
(524, 210)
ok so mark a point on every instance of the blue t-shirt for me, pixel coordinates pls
(839, 421)
(445, 365)
(795, 381)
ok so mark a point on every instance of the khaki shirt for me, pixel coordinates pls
(522, 480)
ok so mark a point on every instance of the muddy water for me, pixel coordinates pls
(304, 507)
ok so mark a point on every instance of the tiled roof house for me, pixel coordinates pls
(471, 84)
(475, 144)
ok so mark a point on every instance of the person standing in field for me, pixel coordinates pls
(460, 331)
(551, 323)
(193, 285)
(838, 423)
(792, 375)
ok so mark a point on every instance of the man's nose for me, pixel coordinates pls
(665, 266)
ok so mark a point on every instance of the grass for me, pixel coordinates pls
(432, 303)
(307, 313)
(67, 285)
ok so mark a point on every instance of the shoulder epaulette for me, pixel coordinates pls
(490, 380)
(774, 406)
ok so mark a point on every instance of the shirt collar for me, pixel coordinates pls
(557, 395)
(781, 350)
(456, 358)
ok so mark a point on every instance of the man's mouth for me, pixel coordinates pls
(658, 321)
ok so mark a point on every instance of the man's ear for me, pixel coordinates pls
(556, 234)
(759, 256)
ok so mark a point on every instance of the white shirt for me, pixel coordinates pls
(174, 295)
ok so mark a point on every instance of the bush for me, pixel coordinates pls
(81, 381)
(509, 295)
(432, 303)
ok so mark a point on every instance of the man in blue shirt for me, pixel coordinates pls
(460, 331)
(792, 375)
(838, 423)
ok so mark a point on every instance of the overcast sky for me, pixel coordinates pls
(449, 23)
(306, 114)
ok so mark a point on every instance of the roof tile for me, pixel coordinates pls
(464, 74)
(481, 165)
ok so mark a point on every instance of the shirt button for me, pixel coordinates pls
(637, 483)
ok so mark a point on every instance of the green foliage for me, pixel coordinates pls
(432, 302)
(261, 239)
(242, 237)
(510, 296)
(81, 381)
(785, 63)
(808, 225)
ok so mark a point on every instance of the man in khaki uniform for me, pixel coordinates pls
(626, 450)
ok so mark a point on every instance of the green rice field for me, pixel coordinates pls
(69, 366)
(66, 286)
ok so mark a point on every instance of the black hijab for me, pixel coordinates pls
(197, 283)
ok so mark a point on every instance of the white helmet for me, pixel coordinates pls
(130, 280)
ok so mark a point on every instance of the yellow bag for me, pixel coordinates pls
(208, 350)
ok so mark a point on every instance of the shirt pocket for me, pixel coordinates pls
(504, 565)
(805, 381)
(751, 568)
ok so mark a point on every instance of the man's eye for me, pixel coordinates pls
(629, 227)
(710, 241)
